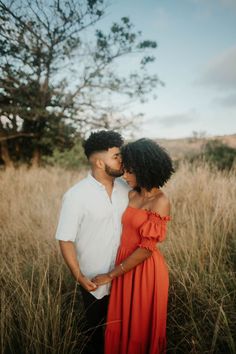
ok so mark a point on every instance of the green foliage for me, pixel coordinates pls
(53, 88)
(73, 158)
(220, 155)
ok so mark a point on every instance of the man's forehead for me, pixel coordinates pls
(114, 151)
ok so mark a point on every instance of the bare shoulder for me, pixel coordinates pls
(161, 205)
(132, 194)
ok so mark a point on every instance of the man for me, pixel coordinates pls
(89, 227)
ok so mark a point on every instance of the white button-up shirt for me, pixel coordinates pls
(92, 221)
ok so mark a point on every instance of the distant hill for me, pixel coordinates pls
(178, 148)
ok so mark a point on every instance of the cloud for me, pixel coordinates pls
(220, 72)
(174, 119)
(226, 101)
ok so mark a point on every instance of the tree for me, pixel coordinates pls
(58, 76)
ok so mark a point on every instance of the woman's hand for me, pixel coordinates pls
(101, 279)
(87, 284)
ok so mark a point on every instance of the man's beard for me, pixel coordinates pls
(113, 173)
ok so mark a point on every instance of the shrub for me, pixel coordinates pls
(219, 154)
(215, 153)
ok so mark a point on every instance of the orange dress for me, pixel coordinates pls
(136, 320)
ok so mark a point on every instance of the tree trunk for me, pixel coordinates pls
(5, 156)
(36, 159)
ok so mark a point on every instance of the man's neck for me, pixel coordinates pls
(103, 178)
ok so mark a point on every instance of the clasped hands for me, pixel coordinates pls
(95, 282)
(101, 279)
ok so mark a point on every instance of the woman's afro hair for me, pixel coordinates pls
(102, 141)
(150, 163)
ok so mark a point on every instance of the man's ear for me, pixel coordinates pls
(99, 163)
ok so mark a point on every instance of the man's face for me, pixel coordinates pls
(113, 163)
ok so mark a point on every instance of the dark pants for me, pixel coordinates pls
(95, 313)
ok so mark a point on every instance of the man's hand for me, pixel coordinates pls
(87, 284)
(69, 254)
(102, 279)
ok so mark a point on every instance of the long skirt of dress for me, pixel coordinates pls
(136, 322)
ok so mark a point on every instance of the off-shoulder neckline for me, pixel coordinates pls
(150, 212)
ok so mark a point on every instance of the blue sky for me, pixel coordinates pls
(196, 58)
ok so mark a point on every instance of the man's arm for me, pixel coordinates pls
(69, 254)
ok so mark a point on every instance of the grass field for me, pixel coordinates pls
(40, 304)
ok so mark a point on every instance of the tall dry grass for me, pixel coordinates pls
(40, 305)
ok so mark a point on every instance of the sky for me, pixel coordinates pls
(196, 59)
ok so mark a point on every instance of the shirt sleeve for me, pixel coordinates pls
(70, 217)
(153, 230)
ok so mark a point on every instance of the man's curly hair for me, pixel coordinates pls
(150, 163)
(102, 141)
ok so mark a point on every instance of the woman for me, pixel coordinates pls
(136, 321)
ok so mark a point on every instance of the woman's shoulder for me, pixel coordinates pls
(132, 194)
(161, 204)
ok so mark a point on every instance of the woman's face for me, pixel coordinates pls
(130, 178)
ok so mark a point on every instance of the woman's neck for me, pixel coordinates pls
(149, 194)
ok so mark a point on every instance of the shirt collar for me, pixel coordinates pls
(97, 183)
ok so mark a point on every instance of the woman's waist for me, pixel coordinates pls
(131, 247)
(128, 246)
(127, 249)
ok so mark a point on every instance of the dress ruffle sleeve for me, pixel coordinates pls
(153, 230)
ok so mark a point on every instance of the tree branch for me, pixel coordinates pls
(18, 135)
